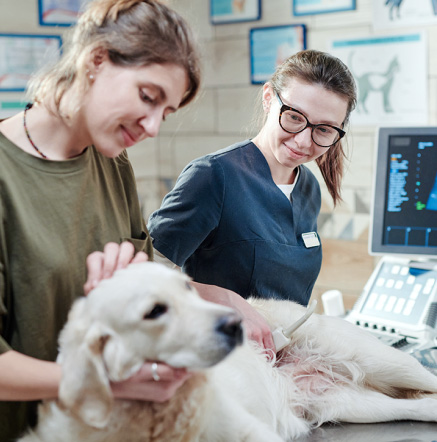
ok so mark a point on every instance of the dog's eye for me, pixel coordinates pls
(156, 312)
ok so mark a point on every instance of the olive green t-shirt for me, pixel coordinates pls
(52, 215)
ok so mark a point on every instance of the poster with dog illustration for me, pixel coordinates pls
(391, 77)
(397, 13)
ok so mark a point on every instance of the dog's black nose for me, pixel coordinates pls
(231, 328)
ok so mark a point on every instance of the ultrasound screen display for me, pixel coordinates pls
(410, 215)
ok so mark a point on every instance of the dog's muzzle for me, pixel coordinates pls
(231, 329)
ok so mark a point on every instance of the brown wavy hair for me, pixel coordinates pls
(133, 33)
(321, 68)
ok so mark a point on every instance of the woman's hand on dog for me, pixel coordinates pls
(255, 325)
(142, 386)
(102, 265)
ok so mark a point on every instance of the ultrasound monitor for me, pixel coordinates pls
(399, 301)
(404, 215)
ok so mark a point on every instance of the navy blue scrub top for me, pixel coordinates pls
(227, 223)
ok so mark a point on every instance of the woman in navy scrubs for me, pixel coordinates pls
(245, 218)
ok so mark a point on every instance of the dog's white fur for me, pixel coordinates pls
(331, 371)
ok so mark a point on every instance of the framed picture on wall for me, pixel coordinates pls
(270, 46)
(59, 12)
(230, 11)
(391, 76)
(309, 7)
(21, 55)
(396, 14)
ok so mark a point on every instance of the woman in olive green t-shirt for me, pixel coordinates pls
(67, 188)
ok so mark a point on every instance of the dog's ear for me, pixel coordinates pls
(84, 389)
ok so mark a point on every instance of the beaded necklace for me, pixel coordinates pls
(28, 106)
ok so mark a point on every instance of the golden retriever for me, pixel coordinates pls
(331, 370)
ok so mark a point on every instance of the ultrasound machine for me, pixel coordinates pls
(399, 302)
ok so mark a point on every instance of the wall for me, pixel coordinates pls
(223, 113)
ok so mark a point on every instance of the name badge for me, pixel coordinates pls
(310, 239)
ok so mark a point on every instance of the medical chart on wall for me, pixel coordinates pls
(391, 77)
(397, 13)
(22, 55)
(307, 7)
(271, 46)
(59, 12)
(227, 11)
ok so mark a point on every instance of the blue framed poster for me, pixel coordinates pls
(309, 7)
(231, 11)
(271, 46)
(59, 12)
(21, 55)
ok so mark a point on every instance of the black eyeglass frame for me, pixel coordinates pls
(284, 108)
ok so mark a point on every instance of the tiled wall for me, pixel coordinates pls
(224, 111)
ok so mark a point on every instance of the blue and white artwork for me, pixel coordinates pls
(270, 46)
(391, 76)
(398, 13)
(21, 55)
(310, 7)
(229, 11)
(59, 12)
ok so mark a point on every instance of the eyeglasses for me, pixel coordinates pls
(293, 122)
